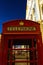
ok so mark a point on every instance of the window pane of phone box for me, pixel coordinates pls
(21, 63)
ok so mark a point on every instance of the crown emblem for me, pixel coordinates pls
(21, 23)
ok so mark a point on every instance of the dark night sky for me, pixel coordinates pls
(12, 10)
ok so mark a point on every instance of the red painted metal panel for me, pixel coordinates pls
(27, 23)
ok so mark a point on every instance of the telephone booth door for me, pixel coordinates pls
(21, 52)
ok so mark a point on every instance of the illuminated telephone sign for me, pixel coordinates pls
(21, 28)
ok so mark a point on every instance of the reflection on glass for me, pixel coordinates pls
(18, 46)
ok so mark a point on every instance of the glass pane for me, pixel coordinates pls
(22, 42)
(20, 63)
(18, 46)
(28, 64)
(24, 63)
(8, 54)
(19, 54)
(30, 43)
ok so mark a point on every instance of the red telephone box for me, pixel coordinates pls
(21, 43)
